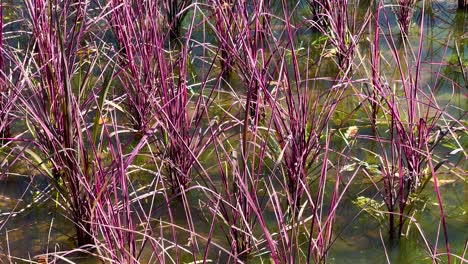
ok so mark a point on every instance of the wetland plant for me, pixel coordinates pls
(410, 115)
(53, 110)
(154, 155)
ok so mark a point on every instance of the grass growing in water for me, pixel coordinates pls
(210, 131)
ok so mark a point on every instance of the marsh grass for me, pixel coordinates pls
(212, 131)
(411, 116)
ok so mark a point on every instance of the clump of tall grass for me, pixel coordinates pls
(410, 114)
(51, 107)
(241, 163)
(285, 118)
(157, 85)
(70, 114)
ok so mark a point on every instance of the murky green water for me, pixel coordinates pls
(359, 236)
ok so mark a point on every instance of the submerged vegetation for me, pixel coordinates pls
(263, 131)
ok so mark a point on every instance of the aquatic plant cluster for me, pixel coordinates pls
(230, 131)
